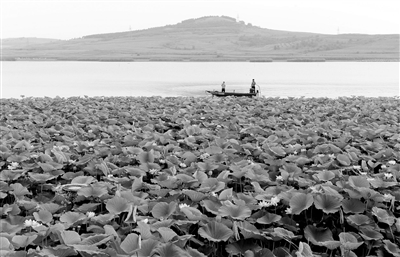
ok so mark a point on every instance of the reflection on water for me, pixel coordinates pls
(329, 79)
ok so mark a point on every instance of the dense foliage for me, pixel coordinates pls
(174, 177)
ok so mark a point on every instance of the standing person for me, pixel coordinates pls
(223, 87)
(253, 87)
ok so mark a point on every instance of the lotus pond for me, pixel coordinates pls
(152, 176)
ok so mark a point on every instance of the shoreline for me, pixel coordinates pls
(202, 97)
(306, 60)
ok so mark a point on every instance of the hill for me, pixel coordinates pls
(213, 38)
(25, 42)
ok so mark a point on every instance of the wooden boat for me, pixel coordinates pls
(222, 94)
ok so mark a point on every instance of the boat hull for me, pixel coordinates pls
(223, 94)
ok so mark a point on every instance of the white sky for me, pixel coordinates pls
(66, 19)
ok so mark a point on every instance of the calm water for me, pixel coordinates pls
(329, 79)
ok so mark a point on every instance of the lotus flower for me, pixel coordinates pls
(31, 223)
(13, 166)
(90, 214)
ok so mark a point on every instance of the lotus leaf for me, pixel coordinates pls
(43, 216)
(8, 228)
(277, 150)
(327, 203)
(5, 244)
(132, 213)
(246, 198)
(22, 241)
(135, 171)
(147, 247)
(51, 207)
(349, 241)
(331, 245)
(370, 234)
(9, 209)
(281, 252)
(86, 207)
(383, 216)
(358, 182)
(9, 175)
(72, 187)
(226, 194)
(17, 158)
(170, 250)
(189, 158)
(117, 205)
(96, 240)
(269, 218)
(359, 220)
(229, 209)
(379, 183)
(392, 248)
(353, 206)
(242, 246)
(167, 234)
(215, 232)
(300, 202)
(144, 230)
(318, 236)
(102, 166)
(213, 150)
(103, 219)
(83, 180)
(207, 166)
(304, 250)
(69, 237)
(185, 178)
(343, 159)
(146, 157)
(290, 170)
(211, 185)
(72, 217)
(282, 233)
(92, 191)
(131, 243)
(211, 206)
(302, 161)
(50, 166)
(325, 175)
(163, 210)
(192, 213)
(194, 253)
(61, 157)
(19, 190)
(248, 230)
(41, 178)
(22, 145)
(262, 253)
(60, 250)
(194, 195)
(90, 250)
(84, 159)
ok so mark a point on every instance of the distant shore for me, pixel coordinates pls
(299, 59)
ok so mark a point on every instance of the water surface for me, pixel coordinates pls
(283, 79)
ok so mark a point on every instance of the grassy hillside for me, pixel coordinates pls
(213, 39)
(25, 42)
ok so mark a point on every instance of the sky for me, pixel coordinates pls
(68, 19)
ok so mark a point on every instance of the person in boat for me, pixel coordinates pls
(253, 87)
(223, 87)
